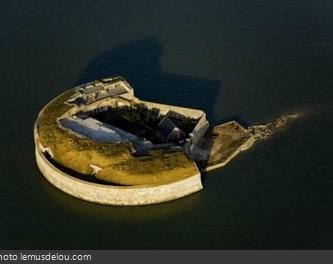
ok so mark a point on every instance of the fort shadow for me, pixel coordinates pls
(139, 62)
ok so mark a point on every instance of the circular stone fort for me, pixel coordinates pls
(100, 143)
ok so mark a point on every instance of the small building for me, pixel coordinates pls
(169, 132)
(97, 90)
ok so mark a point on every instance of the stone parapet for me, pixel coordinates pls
(116, 195)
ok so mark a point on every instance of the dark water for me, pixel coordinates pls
(249, 60)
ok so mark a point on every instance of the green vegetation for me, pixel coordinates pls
(116, 161)
(156, 168)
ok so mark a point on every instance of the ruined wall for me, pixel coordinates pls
(188, 112)
(198, 131)
(98, 106)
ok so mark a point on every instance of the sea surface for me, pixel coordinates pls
(246, 60)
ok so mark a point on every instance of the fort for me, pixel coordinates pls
(100, 143)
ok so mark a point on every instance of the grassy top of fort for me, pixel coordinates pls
(118, 164)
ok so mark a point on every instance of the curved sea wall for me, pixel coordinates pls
(113, 195)
(116, 195)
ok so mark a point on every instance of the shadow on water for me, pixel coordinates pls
(139, 62)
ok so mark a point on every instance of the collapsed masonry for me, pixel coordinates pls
(107, 110)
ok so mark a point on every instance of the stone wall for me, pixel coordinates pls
(196, 135)
(246, 145)
(114, 195)
(199, 130)
(188, 112)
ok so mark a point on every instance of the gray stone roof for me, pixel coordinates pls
(93, 89)
(165, 127)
